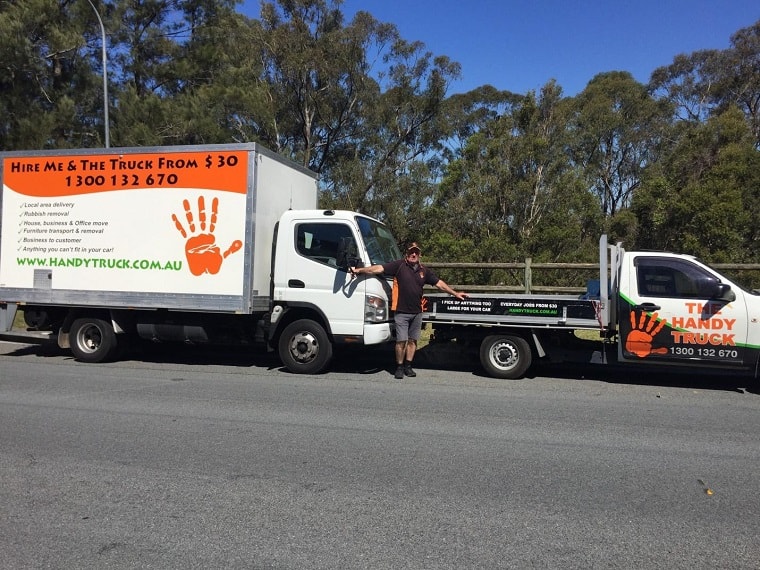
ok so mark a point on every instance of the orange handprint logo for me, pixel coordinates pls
(639, 340)
(203, 255)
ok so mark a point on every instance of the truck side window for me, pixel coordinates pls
(656, 282)
(659, 277)
(319, 241)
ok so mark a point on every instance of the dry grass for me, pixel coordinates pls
(587, 334)
(18, 322)
(427, 331)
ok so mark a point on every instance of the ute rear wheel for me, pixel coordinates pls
(92, 339)
(304, 347)
(505, 356)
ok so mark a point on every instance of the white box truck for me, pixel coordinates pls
(198, 244)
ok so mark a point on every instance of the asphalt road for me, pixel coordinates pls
(202, 459)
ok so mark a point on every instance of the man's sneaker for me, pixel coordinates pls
(399, 373)
(409, 371)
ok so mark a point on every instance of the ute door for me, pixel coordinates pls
(682, 312)
(314, 276)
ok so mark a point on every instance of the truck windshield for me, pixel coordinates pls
(380, 243)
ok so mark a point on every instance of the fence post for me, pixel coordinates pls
(528, 275)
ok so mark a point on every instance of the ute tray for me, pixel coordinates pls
(551, 311)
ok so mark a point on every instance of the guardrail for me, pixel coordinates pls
(524, 275)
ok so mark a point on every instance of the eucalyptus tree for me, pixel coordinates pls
(179, 68)
(316, 71)
(50, 96)
(395, 164)
(703, 196)
(707, 82)
(743, 87)
(354, 102)
(515, 192)
(467, 113)
(618, 127)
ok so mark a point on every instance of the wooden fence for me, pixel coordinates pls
(522, 279)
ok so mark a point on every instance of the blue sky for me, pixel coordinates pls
(519, 45)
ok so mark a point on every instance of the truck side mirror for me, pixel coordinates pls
(348, 255)
(724, 292)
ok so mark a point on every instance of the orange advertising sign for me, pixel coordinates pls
(67, 175)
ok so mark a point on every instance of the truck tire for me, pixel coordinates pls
(304, 347)
(92, 339)
(505, 356)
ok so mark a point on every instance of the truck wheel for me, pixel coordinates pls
(505, 356)
(36, 318)
(92, 340)
(304, 347)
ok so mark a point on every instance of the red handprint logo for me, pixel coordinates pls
(203, 255)
(639, 340)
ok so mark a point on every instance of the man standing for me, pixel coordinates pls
(409, 278)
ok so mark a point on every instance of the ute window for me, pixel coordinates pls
(319, 241)
(658, 277)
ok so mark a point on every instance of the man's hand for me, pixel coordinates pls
(366, 270)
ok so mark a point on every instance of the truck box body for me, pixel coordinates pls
(199, 244)
(184, 228)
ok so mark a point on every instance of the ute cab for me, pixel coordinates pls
(673, 309)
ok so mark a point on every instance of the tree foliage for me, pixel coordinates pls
(515, 188)
(708, 82)
(618, 127)
(48, 85)
(703, 197)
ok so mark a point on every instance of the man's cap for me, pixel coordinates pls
(413, 247)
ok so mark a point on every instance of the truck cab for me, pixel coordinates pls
(316, 303)
(674, 309)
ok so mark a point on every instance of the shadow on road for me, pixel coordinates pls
(362, 360)
(446, 358)
(376, 359)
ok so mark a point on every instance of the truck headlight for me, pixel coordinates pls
(375, 309)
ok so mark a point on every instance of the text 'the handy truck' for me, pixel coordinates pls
(197, 244)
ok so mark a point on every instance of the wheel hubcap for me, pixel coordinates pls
(304, 347)
(90, 339)
(504, 355)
